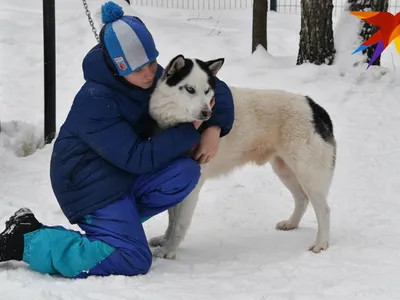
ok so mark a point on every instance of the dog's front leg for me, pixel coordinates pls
(180, 218)
(159, 241)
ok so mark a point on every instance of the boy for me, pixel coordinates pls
(107, 172)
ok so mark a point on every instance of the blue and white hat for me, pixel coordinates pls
(126, 39)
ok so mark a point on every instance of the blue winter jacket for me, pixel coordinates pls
(105, 141)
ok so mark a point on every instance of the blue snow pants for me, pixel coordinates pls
(114, 241)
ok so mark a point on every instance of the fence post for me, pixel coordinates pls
(273, 5)
(49, 47)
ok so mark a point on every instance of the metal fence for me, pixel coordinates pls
(283, 6)
(196, 4)
(293, 6)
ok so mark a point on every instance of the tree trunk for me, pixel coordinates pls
(367, 30)
(316, 33)
(260, 8)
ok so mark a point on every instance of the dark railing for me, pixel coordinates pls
(49, 51)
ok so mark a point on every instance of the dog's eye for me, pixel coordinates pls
(189, 89)
(207, 91)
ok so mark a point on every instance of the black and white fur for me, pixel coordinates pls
(290, 131)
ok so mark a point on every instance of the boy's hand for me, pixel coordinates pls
(208, 146)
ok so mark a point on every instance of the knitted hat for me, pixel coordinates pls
(128, 42)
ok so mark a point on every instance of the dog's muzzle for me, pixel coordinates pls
(205, 115)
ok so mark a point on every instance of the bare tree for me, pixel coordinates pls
(367, 30)
(316, 33)
(260, 9)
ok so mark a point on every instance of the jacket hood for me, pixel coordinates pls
(95, 69)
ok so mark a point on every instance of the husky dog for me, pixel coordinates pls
(290, 131)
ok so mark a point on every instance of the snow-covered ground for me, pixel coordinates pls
(232, 250)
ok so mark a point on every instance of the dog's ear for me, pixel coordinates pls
(177, 63)
(215, 65)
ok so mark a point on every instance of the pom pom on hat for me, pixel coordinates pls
(111, 12)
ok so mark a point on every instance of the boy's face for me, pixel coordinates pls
(143, 77)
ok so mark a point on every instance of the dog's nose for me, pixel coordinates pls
(206, 114)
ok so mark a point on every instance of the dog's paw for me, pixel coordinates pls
(318, 247)
(158, 241)
(163, 252)
(285, 225)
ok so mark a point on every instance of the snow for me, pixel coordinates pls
(232, 250)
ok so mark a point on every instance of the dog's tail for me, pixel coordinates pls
(323, 125)
(322, 121)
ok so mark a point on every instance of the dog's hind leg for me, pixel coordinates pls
(289, 180)
(314, 174)
(179, 222)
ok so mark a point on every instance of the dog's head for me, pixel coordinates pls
(184, 91)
